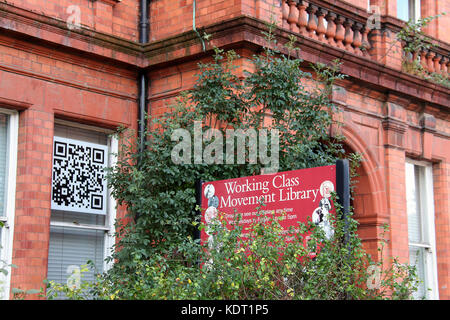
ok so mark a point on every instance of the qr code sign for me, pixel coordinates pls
(78, 176)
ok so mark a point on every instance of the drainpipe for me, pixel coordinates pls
(194, 27)
(144, 28)
(143, 82)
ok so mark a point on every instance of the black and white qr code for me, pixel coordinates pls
(78, 176)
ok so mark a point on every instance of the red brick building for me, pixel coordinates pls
(71, 71)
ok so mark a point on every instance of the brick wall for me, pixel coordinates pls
(360, 3)
(82, 86)
(441, 179)
(387, 7)
(168, 18)
(53, 85)
(171, 17)
(31, 232)
(109, 16)
(437, 28)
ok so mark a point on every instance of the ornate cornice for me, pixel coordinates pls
(239, 32)
(427, 122)
(392, 124)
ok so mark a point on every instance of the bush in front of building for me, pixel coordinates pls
(268, 263)
(156, 256)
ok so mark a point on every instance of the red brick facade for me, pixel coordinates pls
(89, 76)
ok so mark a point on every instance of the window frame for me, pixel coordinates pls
(428, 231)
(417, 10)
(109, 226)
(414, 8)
(7, 234)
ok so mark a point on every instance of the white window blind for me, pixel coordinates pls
(3, 181)
(3, 161)
(421, 234)
(413, 203)
(76, 237)
(71, 248)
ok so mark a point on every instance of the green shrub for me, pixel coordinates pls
(156, 257)
(266, 264)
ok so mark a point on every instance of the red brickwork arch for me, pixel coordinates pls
(370, 204)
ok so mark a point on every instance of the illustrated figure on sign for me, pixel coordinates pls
(213, 202)
(209, 191)
(320, 216)
(211, 214)
(325, 204)
(326, 188)
(211, 219)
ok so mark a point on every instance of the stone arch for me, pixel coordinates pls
(370, 202)
(369, 169)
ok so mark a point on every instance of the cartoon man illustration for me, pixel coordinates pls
(211, 220)
(209, 191)
(320, 215)
(213, 202)
(210, 215)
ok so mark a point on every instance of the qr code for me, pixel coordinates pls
(78, 176)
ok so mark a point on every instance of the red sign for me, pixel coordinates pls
(299, 194)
